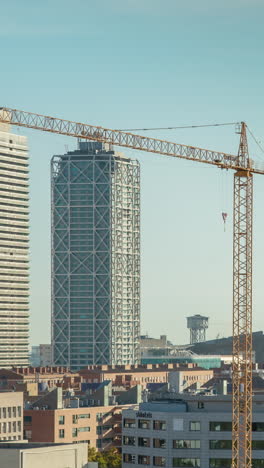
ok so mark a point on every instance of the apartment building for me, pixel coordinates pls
(14, 249)
(99, 426)
(186, 431)
(11, 416)
(182, 375)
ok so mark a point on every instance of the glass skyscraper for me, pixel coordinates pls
(14, 249)
(95, 257)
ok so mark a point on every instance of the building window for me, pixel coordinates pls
(19, 426)
(74, 419)
(143, 459)
(220, 444)
(193, 462)
(200, 405)
(19, 411)
(159, 443)
(14, 426)
(129, 440)
(84, 429)
(143, 424)
(159, 461)
(61, 433)
(84, 416)
(186, 444)
(220, 462)
(14, 411)
(222, 426)
(258, 427)
(27, 420)
(258, 463)
(128, 458)
(258, 444)
(143, 442)
(9, 411)
(129, 423)
(98, 443)
(61, 419)
(195, 426)
(74, 432)
(9, 427)
(159, 425)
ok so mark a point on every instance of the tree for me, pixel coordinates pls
(108, 459)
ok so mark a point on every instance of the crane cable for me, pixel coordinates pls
(176, 128)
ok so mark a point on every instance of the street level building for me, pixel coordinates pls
(14, 249)
(11, 416)
(26, 455)
(95, 257)
(180, 431)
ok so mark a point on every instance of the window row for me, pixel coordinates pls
(214, 426)
(10, 412)
(145, 424)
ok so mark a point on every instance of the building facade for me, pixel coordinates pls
(11, 416)
(14, 249)
(99, 426)
(191, 431)
(95, 257)
(39, 455)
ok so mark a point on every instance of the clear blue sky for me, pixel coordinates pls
(146, 63)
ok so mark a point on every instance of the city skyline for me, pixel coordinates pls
(126, 65)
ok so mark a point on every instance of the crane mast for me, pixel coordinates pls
(242, 244)
(242, 309)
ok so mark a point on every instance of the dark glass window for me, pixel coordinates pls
(143, 424)
(220, 462)
(143, 442)
(159, 425)
(220, 444)
(221, 426)
(193, 462)
(186, 444)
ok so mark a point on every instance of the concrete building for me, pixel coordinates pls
(95, 257)
(144, 374)
(40, 455)
(11, 416)
(192, 431)
(40, 355)
(99, 426)
(14, 249)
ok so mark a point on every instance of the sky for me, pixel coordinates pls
(144, 64)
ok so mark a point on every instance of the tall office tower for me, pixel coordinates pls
(14, 249)
(95, 257)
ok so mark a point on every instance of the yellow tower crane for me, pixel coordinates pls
(243, 168)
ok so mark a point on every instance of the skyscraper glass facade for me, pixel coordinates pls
(95, 257)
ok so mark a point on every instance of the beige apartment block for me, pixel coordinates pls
(11, 416)
(43, 455)
(14, 249)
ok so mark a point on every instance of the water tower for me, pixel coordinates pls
(197, 325)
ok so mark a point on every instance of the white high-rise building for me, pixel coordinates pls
(14, 249)
(95, 257)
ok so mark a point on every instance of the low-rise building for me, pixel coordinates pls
(40, 455)
(186, 430)
(98, 426)
(143, 374)
(11, 416)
